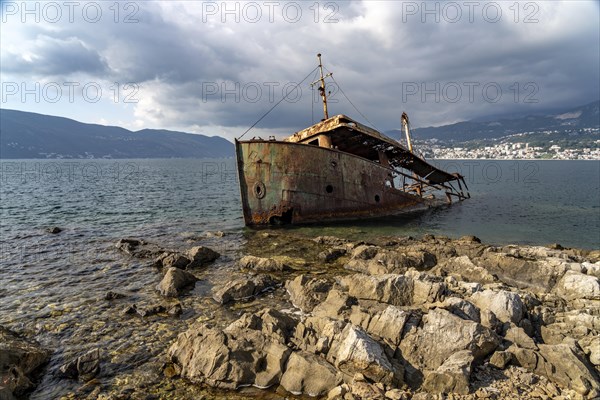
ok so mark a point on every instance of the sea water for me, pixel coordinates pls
(52, 285)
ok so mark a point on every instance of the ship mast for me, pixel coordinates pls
(405, 125)
(322, 87)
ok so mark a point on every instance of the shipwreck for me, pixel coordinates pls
(338, 169)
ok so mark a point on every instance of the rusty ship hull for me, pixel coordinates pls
(286, 182)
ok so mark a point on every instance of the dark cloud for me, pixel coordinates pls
(51, 56)
(376, 50)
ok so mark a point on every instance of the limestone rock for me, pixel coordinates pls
(110, 295)
(273, 323)
(420, 259)
(129, 309)
(507, 306)
(521, 271)
(364, 252)
(592, 269)
(580, 318)
(369, 267)
(462, 308)
(243, 288)
(330, 240)
(337, 392)
(138, 248)
(426, 288)
(309, 374)
(335, 305)
(171, 259)
(398, 290)
(391, 289)
(535, 252)
(175, 310)
(469, 248)
(375, 261)
(526, 358)
(468, 288)
(174, 280)
(349, 348)
(317, 334)
(84, 367)
(261, 264)
(306, 292)
(403, 259)
(469, 238)
(397, 394)
(452, 376)
(360, 389)
(568, 366)
(332, 254)
(442, 250)
(489, 320)
(500, 359)
(387, 324)
(200, 256)
(563, 364)
(392, 326)
(594, 256)
(464, 269)
(20, 358)
(355, 351)
(591, 346)
(575, 285)
(517, 335)
(527, 327)
(128, 245)
(150, 310)
(231, 358)
(443, 334)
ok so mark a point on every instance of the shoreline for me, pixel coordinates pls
(233, 158)
(517, 159)
(303, 302)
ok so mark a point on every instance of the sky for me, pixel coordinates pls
(216, 67)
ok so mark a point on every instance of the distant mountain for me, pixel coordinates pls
(30, 135)
(586, 116)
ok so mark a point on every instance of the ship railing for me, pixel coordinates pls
(422, 187)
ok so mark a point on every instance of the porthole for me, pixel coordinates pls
(259, 190)
(377, 199)
(329, 189)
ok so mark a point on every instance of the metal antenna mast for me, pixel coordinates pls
(322, 87)
(406, 126)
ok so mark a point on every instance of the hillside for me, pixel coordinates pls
(566, 121)
(31, 135)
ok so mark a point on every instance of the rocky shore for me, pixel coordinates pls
(327, 317)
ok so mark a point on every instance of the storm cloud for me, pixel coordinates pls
(216, 67)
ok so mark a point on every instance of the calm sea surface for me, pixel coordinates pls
(527, 202)
(50, 284)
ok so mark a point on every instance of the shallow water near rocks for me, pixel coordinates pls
(53, 285)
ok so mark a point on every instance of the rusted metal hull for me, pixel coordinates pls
(283, 182)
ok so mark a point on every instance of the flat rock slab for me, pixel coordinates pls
(19, 359)
(243, 288)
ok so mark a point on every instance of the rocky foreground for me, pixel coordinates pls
(398, 318)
